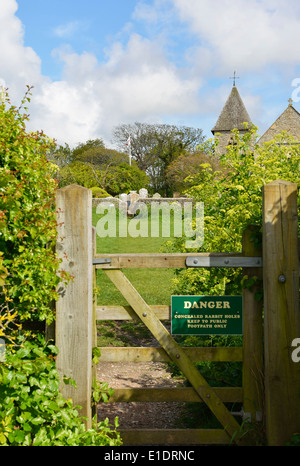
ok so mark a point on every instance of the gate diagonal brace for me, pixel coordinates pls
(210, 261)
(175, 352)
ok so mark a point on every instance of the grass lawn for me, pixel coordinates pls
(154, 285)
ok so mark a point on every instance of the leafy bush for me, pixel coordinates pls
(92, 164)
(99, 192)
(294, 441)
(27, 215)
(76, 173)
(232, 200)
(32, 409)
(126, 178)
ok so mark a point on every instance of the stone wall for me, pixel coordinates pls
(141, 196)
(148, 200)
(226, 138)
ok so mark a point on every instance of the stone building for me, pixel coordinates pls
(288, 121)
(233, 116)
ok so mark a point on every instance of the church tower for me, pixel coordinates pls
(233, 116)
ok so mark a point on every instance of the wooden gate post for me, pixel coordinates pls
(281, 310)
(74, 309)
(252, 335)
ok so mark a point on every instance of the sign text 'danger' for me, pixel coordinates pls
(207, 315)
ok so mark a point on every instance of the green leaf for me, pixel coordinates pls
(104, 397)
(22, 378)
(51, 405)
(27, 427)
(17, 436)
(23, 352)
(37, 420)
(3, 439)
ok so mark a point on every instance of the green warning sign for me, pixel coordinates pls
(207, 315)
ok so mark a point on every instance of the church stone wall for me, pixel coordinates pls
(288, 121)
(225, 139)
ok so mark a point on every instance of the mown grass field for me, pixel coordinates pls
(154, 285)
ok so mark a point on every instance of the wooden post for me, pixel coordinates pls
(252, 335)
(94, 316)
(74, 309)
(281, 310)
(94, 322)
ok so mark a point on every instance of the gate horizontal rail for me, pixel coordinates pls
(186, 395)
(163, 312)
(174, 260)
(150, 354)
(175, 437)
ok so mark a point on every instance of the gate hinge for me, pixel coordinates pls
(102, 260)
(230, 261)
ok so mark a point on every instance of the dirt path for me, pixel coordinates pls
(134, 415)
(139, 415)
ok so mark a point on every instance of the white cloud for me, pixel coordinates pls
(75, 67)
(66, 112)
(145, 12)
(67, 30)
(136, 82)
(145, 82)
(247, 35)
(19, 65)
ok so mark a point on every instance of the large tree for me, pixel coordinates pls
(155, 146)
(94, 152)
(92, 164)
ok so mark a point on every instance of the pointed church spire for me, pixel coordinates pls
(233, 115)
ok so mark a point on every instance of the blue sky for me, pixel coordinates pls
(96, 64)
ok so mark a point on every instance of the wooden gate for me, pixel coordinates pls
(171, 351)
(77, 314)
